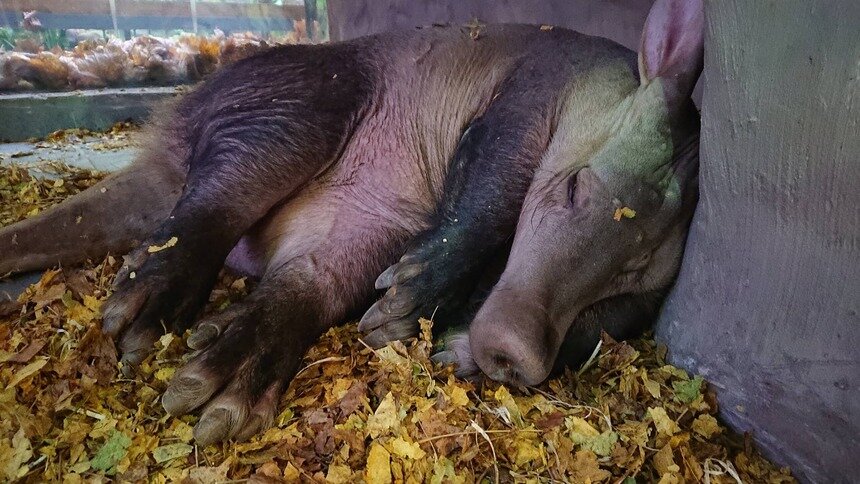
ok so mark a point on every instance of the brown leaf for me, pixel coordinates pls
(27, 353)
(551, 421)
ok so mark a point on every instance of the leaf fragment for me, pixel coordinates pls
(378, 465)
(706, 426)
(662, 422)
(27, 371)
(158, 248)
(171, 451)
(385, 419)
(111, 452)
(625, 212)
(688, 390)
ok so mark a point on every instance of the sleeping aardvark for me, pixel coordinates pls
(527, 187)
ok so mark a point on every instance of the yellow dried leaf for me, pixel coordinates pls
(165, 374)
(586, 469)
(27, 371)
(503, 396)
(652, 387)
(457, 395)
(158, 248)
(338, 474)
(578, 426)
(378, 469)
(385, 419)
(406, 450)
(527, 450)
(291, 473)
(662, 422)
(206, 475)
(14, 455)
(182, 431)
(625, 212)
(80, 313)
(390, 355)
(426, 329)
(171, 451)
(92, 303)
(706, 426)
(443, 471)
(664, 461)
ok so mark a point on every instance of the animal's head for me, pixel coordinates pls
(608, 210)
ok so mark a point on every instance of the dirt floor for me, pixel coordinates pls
(351, 415)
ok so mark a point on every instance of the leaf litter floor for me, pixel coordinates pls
(351, 414)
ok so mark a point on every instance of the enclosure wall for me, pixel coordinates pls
(766, 306)
(620, 20)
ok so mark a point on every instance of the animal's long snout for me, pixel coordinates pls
(512, 340)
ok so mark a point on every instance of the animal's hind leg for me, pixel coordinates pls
(258, 132)
(252, 349)
(111, 216)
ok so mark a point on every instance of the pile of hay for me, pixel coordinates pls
(352, 414)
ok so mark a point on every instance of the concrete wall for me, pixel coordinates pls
(767, 302)
(619, 20)
(28, 115)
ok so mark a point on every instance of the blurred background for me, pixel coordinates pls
(64, 45)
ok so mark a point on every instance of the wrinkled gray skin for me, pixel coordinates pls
(477, 175)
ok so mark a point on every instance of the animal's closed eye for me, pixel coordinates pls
(571, 188)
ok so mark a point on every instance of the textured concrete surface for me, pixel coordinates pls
(29, 115)
(619, 20)
(82, 155)
(767, 302)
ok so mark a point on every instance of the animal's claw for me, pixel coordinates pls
(237, 376)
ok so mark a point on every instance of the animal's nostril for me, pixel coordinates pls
(506, 361)
(501, 361)
(508, 342)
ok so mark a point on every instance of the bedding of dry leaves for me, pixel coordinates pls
(351, 415)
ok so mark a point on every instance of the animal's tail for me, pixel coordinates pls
(109, 217)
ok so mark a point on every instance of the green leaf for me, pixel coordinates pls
(629, 480)
(602, 444)
(688, 390)
(169, 452)
(111, 453)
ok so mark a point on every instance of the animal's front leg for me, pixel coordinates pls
(487, 182)
(166, 281)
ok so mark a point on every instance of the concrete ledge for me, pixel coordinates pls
(28, 115)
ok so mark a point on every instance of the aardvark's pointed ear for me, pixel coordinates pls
(672, 47)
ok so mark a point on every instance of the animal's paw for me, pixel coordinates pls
(395, 315)
(423, 283)
(242, 367)
(156, 291)
(456, 350)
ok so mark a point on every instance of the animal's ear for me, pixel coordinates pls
(672, 47)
